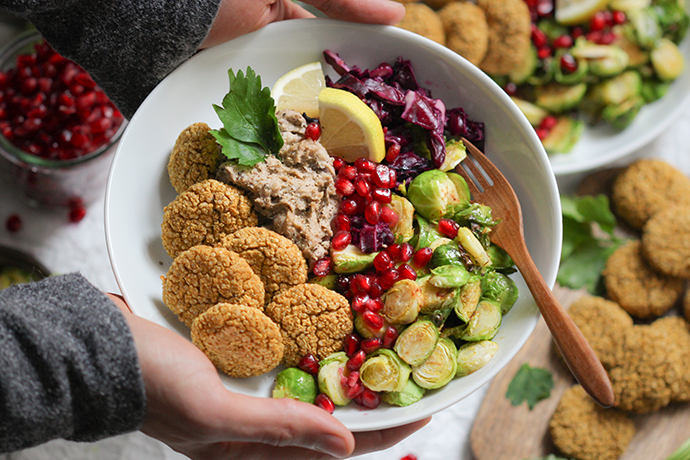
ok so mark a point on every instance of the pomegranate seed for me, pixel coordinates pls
(422, 257)
(577, 32)
(392, 152)
(382, 195)
(538, 37)
(309, 364)
(348, 172)
(409, 457)
(341, 240)
(594, 36)
(361, 283)
(619, 17)
(356, 361)
(353, 385)
(392, 178)
(322, 267)
(373, 320)
(448, 228)
(394, 251)
(389, 216)
(349, 207)
(608, 17)
(13, 223)
(544, 7)
(389, 278)
(598, 21)
(372, 213)
(406, 252)
(324, 402)
(364, 165)
(313, 131)
(374, 304)
(548, 122)
(371, 345)
(564, 41)
(390, 337)
(338, 163)
(382, 261)
(544, 52)
(510, 88)
(542, 133)
(607, 38)
(351, 344)
(76, 214)
(375, 290)
(344, 186)
(369, 399)
(359, 302)
(382, 176)
(407, 272)
(362, 187)
(342, 222)
(342, 284)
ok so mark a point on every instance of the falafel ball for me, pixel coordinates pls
(438, 4)
(645, 187)
(686, 305)
(467, 32)
(424, 21)
(603, 323)
(204, 214)
(203, 276)
(677, 347)
(666, 241)
(509, 35)
(313, 319)
(239, 340)
(635, 286)
(582, 429)
(277, 260)
(194, 158)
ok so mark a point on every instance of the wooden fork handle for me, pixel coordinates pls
(576, 351)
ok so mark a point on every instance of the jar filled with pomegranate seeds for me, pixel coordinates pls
(58, 130)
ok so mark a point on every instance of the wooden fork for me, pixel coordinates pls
(509, 234)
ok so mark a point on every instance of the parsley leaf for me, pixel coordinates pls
(588, 241)
(530, 384)
(250, 128)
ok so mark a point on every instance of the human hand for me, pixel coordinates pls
(239, 17)
(189, 409)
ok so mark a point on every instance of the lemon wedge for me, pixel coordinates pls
(571, 12)
(299, 89)
(349, 128)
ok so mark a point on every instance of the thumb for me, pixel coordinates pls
(284, 422)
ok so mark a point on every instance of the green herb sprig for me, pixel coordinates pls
(530, 384)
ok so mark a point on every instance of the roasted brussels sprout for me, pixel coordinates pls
(526, 68)
(403, 229)
(455, 153)
(618, 89)
(427, 233)
(294, 383)
(602, 60)
(672, 18)
(433, 191)
(564, 135)
(474, 355)
(667, 60)
(447, 254)
(484, 323)
(328, 281)
(500, 259)
(473, 246)
(439, 368)
(434, 298)
(474, 213)
(621, 115)
(384, 371)
(467, 298)
(402, 302)
(557, 98)
(501, 289)
(534, 114)
(415, 344)
(570, 78)
(449, 276)
(643, 27)
(351, 260)
(331, 371)
(409, 395)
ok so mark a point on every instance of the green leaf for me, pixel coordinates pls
(531, 385)
(250, 128)
(590, 209)
(682, 453)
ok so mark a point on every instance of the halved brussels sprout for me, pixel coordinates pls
(434, 298)
(618, 89)
(328, 281)
(331, 371)
(467, 299)
(295, 383)
(484, 323)
(455, 153)
(557, 98)
(643, 27)
(500, 259)
(621, 115)
(564, 135)
(474, 248)
(409, 395)
(447, 254)
(427, 233)
(667, 60)
(602, 60)
(367, 332)
(402, 302)
(570, 78)
(475, 355)
(439, 368)
(415, 344)
(474, 213)
(449, 276)
(384, 371)
(351, 260)
(432, 191)
(534, 114)
(403, 229)
(636, 56)
(501, 289)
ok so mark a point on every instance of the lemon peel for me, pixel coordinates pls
(299, 89)
(572, 12)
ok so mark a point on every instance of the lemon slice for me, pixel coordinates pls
(571, 12)
(349, 128)
(299, 89)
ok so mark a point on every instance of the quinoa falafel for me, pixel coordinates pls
(312, 319)
(466, 29)
(635, 286)
(509, 26)
(582, 429)
(686, 305)
(645, 187)
(204, 214)
(240, 341)
(422, 20)
(195, 157)
(277, 260)
(666, 241)
(203, 276)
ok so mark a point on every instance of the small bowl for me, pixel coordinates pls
(52, 182)
(13, 258)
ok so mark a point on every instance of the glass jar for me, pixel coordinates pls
(45, 181)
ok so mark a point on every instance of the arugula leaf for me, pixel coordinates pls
(530, 384)
(250, 128)
(585, 250)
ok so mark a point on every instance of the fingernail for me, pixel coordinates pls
(332, 445)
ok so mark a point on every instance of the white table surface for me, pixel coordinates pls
(65, 247)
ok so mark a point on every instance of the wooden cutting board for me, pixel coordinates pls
(504, 432)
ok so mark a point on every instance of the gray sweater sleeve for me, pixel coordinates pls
(68, 365)
(127, 46)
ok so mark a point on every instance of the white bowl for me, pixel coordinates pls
(139, 188)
